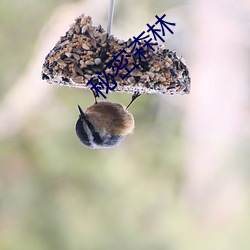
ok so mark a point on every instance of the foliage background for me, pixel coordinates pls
(172, 184)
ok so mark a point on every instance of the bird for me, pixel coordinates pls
(104, 124)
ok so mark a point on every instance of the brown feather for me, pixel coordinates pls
(111, 117)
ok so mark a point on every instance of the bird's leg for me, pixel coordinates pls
(95, 95)
(134, 97)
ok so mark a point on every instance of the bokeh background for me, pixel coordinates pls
(180, 182)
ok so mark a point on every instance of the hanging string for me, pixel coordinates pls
(110, 16)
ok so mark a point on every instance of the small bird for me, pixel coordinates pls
(104, 124)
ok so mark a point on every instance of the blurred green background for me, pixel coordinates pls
(181, 181)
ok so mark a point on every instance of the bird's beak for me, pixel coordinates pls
(82, 115)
